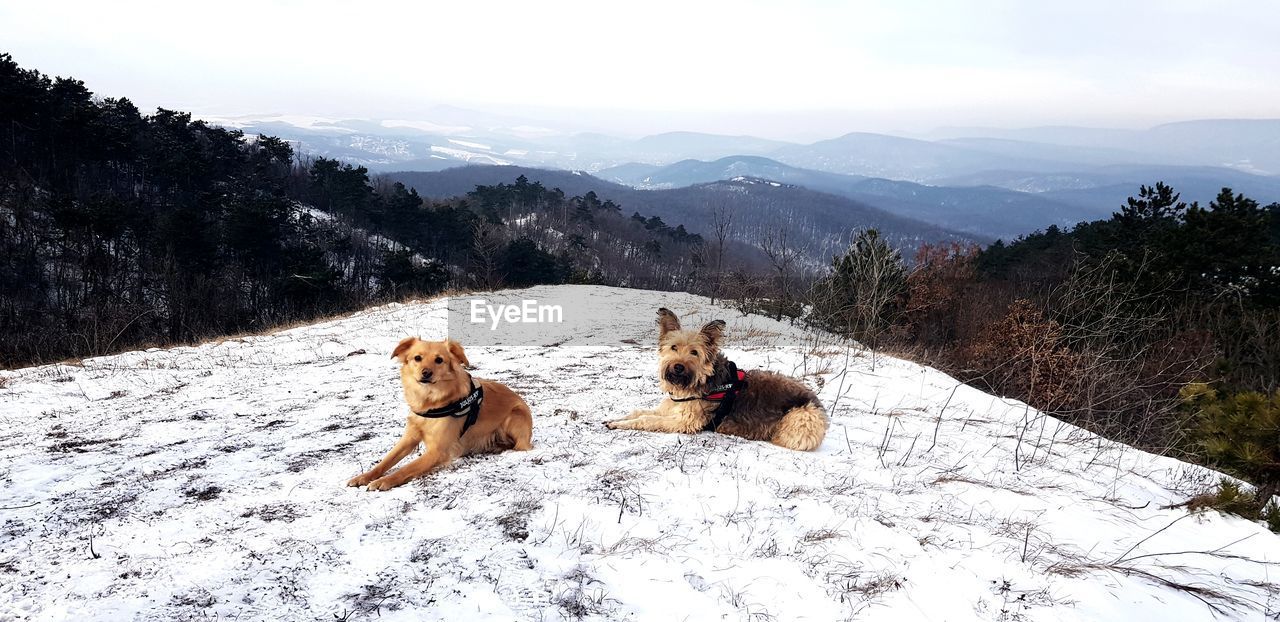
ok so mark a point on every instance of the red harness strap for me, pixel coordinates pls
(715, 397)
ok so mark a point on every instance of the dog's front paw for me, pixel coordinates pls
(360, 480)
(627, 422)
(383, 483)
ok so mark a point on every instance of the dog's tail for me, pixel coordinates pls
(802, 428)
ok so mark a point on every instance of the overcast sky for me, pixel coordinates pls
(786, 69)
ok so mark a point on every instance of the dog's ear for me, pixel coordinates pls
(459, 355)
(712, 332)
(667, 322)
(403, 347)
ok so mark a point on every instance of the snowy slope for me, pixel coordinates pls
(207, 482)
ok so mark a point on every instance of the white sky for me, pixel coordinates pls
(785, 69)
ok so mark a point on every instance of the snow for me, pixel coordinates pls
(386, 147)
(425, 126)
(470, 145)
(530, 131)
(308, 122)
(755, 180)
(207, 482)
(469, 156)
(378, 241)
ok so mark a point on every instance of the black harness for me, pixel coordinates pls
(468, 406)
(724, 394)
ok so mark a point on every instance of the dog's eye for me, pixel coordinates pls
(695, 353)
(418, 358)
(439, 360)
(673, 347)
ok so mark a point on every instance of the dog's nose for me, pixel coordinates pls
(679, 369)
(426, 374)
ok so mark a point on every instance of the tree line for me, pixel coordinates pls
(120, 230)
(1158, 327)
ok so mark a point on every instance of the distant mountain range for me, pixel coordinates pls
(992, 203)
(461, 136)
(1250, 145)
(985, 211)
(818, 223)
(1108, 186)
(383, 145)
(893, 157)
(991, 183)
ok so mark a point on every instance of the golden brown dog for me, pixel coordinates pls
(770, 407)
(434, 377)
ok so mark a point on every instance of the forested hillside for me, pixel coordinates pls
(1159, 326)
(981, 211)
(124, 229)
(817, 224)
(120, 230)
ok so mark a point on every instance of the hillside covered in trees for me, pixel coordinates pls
(817, 222)
(121, 230)
(1159, 326)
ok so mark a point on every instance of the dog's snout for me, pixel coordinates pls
(678, 374)
(426, 374)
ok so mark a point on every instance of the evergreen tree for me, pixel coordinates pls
(1229, 247)
(1241, 434)
(401, 273)
(861, 292)
(1154, 205)
(524, 264)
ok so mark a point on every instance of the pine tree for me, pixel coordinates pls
(862, 291)
(524, 264)
(401, 273)
(1240, 433)
(1155, 204)
(1228, 246)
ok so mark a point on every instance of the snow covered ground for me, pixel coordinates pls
(207, 482)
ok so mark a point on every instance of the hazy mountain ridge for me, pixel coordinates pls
(985, 211)
(434, 145)
(1090, 155)
(819, 222)
(893, 157)
(1241, 144)
(1251, 145)
(995, 203)
(991, 183)
(1108, 186)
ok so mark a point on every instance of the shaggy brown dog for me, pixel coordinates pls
(434, 377)
(771, 407)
